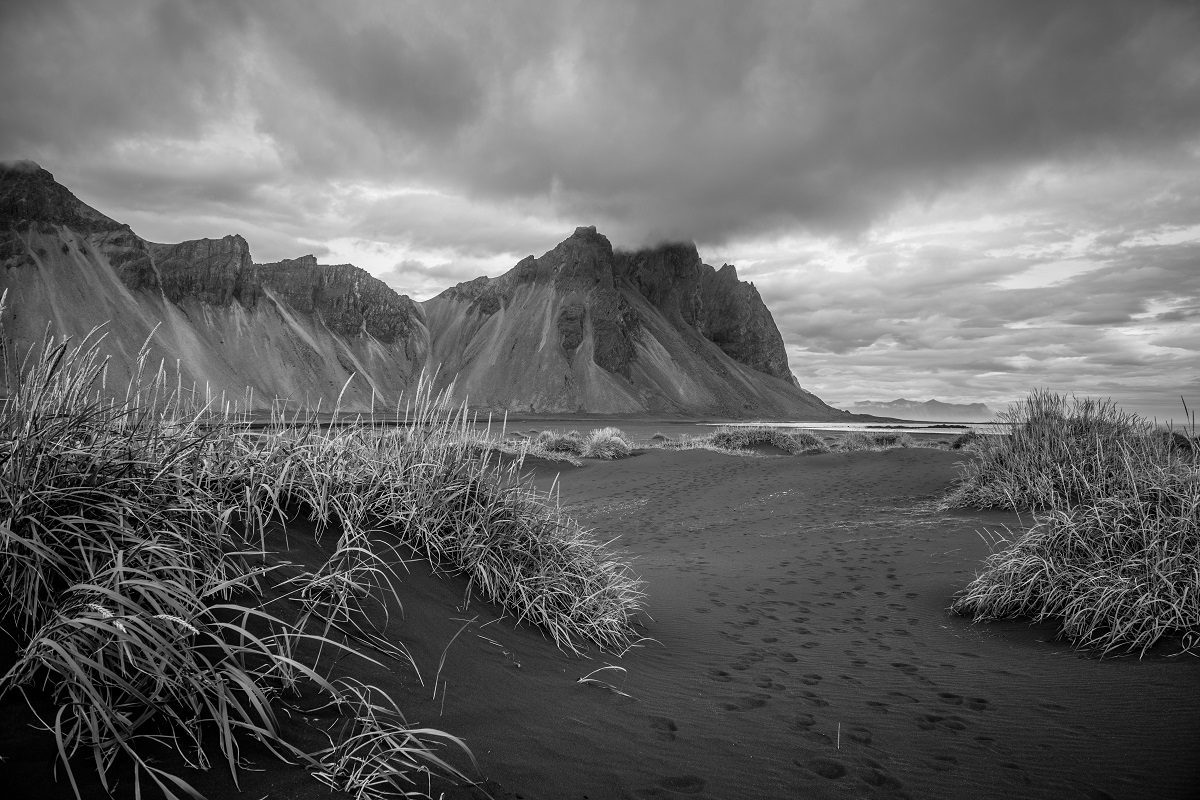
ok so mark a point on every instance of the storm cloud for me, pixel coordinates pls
(979, 196)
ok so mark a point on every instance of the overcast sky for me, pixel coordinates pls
(952, 200)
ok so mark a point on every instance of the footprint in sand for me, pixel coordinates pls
(858, 734)
(804, 721)
(812, 699)
(719, 675)
(664, 728)
(747, 702)
(902, 696)
(879, 779)
(929, 722)
(943, 763)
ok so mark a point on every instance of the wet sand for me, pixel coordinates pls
(799, 647)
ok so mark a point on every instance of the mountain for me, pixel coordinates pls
(290, 330)
(927, 411)
(583, 329)
(587, 329)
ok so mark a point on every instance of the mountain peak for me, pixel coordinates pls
(29, 196)
(22, 165)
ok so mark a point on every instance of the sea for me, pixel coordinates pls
(949, 428)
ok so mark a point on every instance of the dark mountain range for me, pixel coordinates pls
(583, 329)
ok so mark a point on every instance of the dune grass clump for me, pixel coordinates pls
(858, 440)
(428, 487)
(603, 443)
(966, 441)
(138, 594)
(607, 443)
(145, 608)
(1061, 451)
(1113, 552)
(744, 437)
(569, 443)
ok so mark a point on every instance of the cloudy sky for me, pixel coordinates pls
(953, 200)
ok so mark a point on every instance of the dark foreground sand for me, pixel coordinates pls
(791, 598)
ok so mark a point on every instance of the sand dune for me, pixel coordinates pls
(801, 648)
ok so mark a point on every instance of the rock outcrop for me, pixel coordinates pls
(580, 329)
(587, 329)
(212, 271)
(350, 301)
(723, 309)
(294, 330)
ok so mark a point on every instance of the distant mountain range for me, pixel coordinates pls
(927, 411)
(582, 329)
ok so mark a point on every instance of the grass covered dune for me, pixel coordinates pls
(150, 615)
(1113, 551)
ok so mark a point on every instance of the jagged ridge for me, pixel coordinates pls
(580, 329)
(293, 330)
(587, 329)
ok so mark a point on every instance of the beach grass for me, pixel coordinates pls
(876, 442)
(143, 603)
(749, 439)
(1112, 553)
(603, 443)
(745, 437)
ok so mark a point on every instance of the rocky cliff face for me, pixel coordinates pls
(350, 301)
(294, 329)
(721, 308)
(32, 202)
(580, 329)
(213, 271)
(584, 328)
(30, 198)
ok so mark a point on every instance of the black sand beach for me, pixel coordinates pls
(798, 645)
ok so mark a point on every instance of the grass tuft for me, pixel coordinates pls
(602, 443)
(745, 437)
(1113, 552)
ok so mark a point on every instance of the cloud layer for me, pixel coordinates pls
(959, 199)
